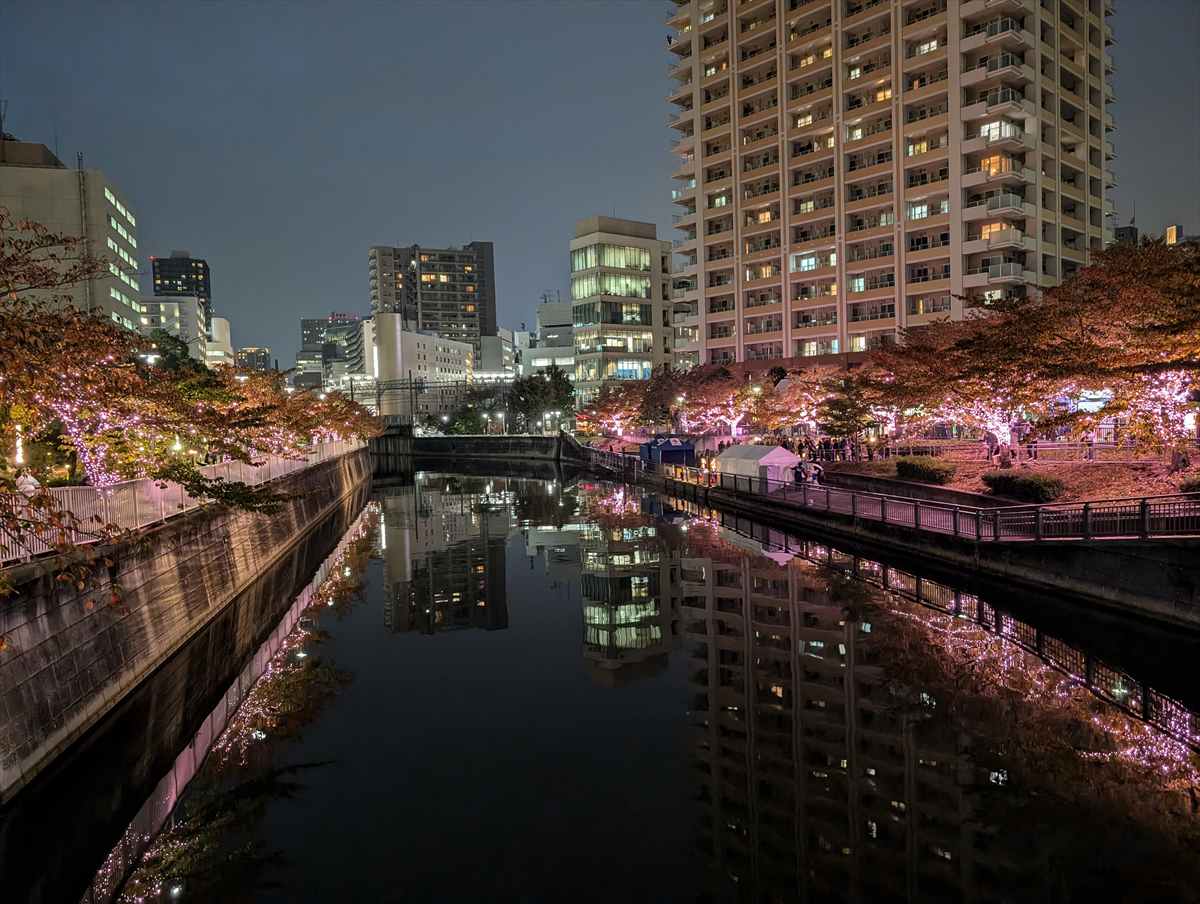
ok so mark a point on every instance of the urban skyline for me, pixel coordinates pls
(268, 279)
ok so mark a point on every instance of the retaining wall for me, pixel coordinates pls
(68, 663)
(1156, 579)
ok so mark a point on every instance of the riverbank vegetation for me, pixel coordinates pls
(1116, 348)
(83, 400)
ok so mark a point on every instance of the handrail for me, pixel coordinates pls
(1128, 517)
(133, 504)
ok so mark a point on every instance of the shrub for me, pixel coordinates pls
(924, 469)
(1191, 485)
(1026, 487)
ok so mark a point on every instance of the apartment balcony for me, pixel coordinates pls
(1004, 205)
(933, 251)
(870, 202)
(1005, 67)
(1009, 273)
(935, 85)
(684, 244)
(681, 92)
(813, 241)
(926, 119)
(1109, 125)
(1003, 33)
(855, 52)
(992, 175)
(753, 226)
(721, 156)
(684, 192)
(1110, 96)
(1014, 139)
(1110, 152)
(1000, 240)
(927, 20)
(1070, 221)
(1000, 102)
(686, 169)
(869, 139)
(863, 11)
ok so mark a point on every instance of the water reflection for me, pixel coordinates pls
(848, 730)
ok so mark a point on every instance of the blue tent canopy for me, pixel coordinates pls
(668, 450)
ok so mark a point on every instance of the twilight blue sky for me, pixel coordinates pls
(279, 140)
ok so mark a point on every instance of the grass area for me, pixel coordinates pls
(1083, 480)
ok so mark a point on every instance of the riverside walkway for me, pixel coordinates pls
(1146, 517)
(134, 504)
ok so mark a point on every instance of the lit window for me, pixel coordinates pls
(883, 94)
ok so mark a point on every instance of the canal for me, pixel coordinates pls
(502, 688)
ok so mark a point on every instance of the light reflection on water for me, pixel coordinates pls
(586, 691)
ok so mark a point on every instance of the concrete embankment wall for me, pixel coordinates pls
(72, 656)
(59, 827)
(1157, 579)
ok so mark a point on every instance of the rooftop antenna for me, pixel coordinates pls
(3, 111)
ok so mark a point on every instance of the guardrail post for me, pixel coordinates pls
(804, 494)
(1144, 517)
(917, 515)
(955, 520)
(1087, 521)
(883, 509)
(854, 506)
(137, 522)
(1037, 523)
(995, 525)
(978, 525)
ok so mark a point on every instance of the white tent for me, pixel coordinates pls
(772, 462)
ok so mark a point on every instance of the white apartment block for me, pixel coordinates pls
(849, 169)
(35, 185)
(182, 317)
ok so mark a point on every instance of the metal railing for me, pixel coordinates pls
(1108, 682)
(1135, 517)
(133, 504)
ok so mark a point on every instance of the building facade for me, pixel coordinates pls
(219, 349)
(35, 185)
(620, 272)
(183, 275)
(849, 169)
(553, 341)
(182, 318)
(447, 291)
(253, 357)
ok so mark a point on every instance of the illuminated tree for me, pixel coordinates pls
(717, 398)
(794, 400)
(615, 408)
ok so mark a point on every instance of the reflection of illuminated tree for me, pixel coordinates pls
(1061, 749)
(207, 852)
(200, 855)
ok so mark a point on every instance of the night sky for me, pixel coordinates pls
(280, 140)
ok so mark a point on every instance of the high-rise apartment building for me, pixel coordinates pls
(447, 291)
(35, 185)
(620, 272)
(183, 275)
(852, 168)
(253, 357)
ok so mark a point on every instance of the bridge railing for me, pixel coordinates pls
(132, 504)
(1134, 517)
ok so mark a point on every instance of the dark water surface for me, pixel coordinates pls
(520, 691)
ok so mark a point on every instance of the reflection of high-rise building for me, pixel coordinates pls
(627, 616)
(818, 781)
(443, 545)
